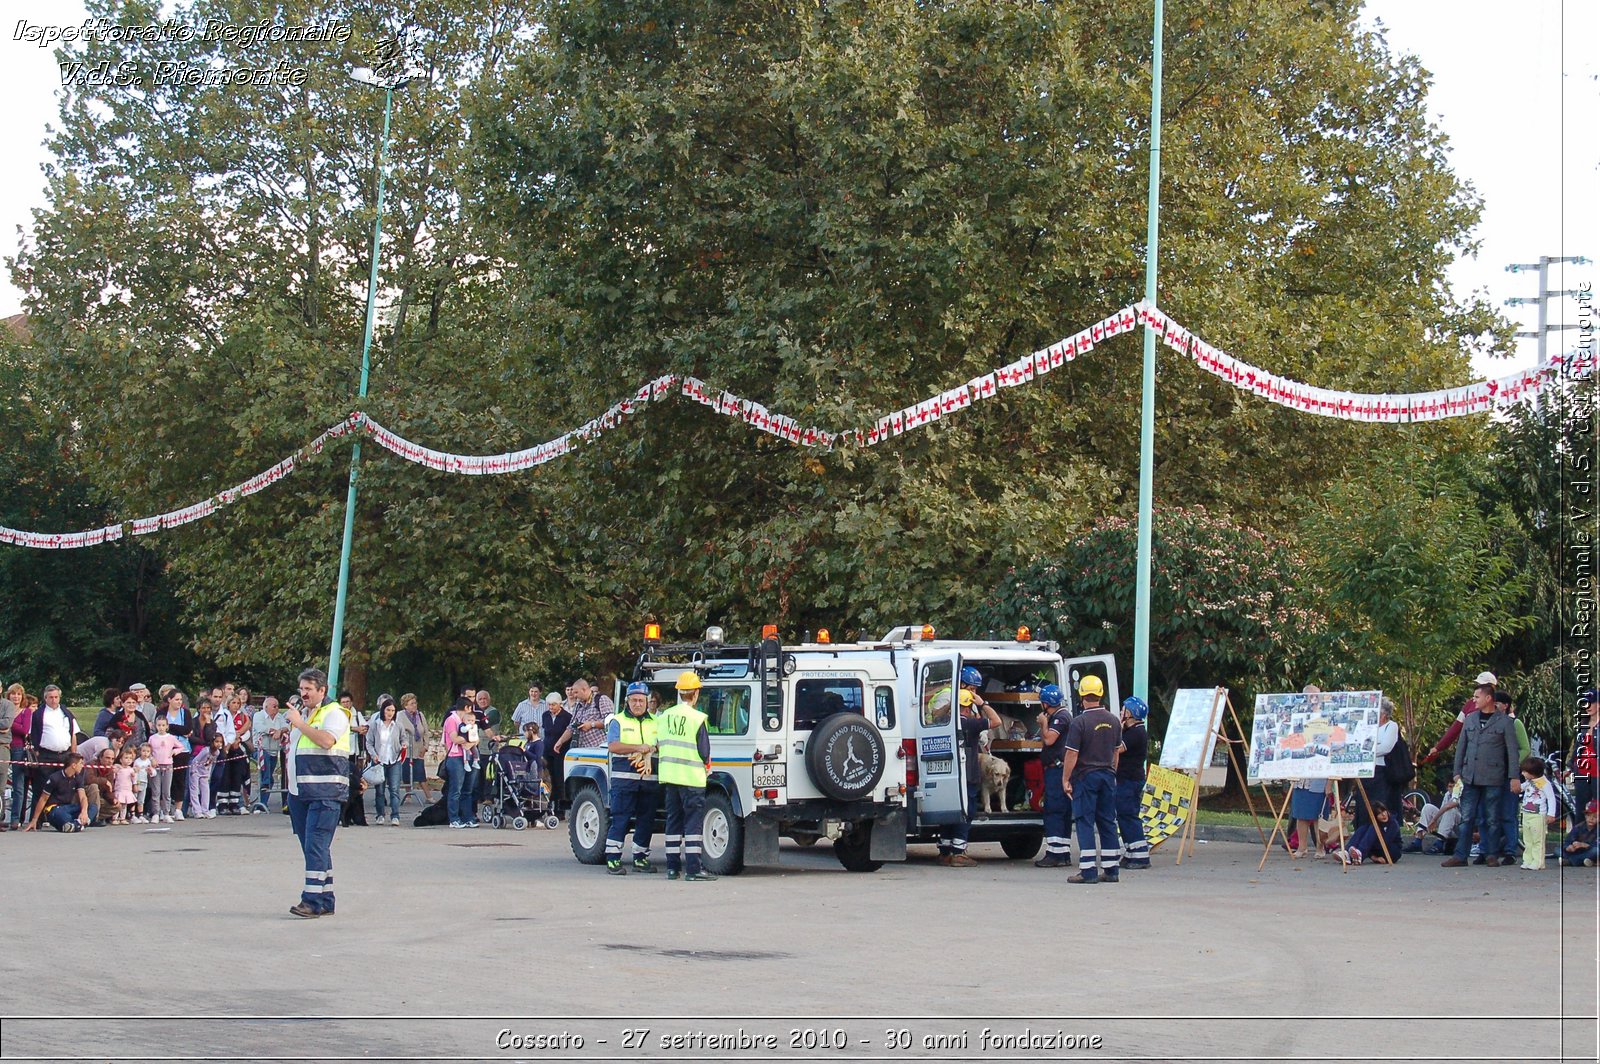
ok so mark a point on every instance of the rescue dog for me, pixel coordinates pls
(996, 779)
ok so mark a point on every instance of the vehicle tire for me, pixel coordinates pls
(586, 825)
(846, 757)
(722, 837)
(1022, 847)
(519, 823)
(852, 850)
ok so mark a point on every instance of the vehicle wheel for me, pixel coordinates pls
(805, 840)
(1022, 847)
(845, 757)
(722, 837)
(852, 849)
(586, 826)
(519, 823)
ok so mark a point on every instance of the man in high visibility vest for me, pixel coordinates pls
(631, 741)
(319, 784)
(685, 746)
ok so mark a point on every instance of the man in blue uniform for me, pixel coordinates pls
(319, 784)
(1130, 783)
(635, 791)
(1053, 721)
(1090, 768)
(953, 846)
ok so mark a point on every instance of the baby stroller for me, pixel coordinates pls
(517, 792)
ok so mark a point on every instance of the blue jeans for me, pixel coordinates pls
(269, 769)
(390, 787)
(634, 800)
(1480, 808)
(457, 799)
(1510, 820)
(314, 823)
(1057, 815)
(62, 815)
(20, 792)
(1130, 795)
(1094, 800)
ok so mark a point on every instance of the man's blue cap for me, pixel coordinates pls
(637, 688)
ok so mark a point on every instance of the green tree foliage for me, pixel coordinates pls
(1230, 605)
(832, 208)
(1417, 579)
(79, 618)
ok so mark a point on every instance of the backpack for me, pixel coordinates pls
(1397, 764)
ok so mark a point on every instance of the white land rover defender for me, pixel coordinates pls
(805, 744)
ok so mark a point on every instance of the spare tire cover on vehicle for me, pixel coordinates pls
(845, 757)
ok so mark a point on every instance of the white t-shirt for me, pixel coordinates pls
(1538, 797)
(336, 724)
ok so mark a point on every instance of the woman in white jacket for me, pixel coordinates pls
(383, 748)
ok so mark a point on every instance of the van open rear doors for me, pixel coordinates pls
(1101, 665)
(942, 793)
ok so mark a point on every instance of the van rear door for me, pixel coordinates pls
(942, 797)
(1101, 665)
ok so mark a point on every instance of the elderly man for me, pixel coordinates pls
(52, 735)
(590, 713)
(270, 728)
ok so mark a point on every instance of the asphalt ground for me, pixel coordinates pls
(128, 943)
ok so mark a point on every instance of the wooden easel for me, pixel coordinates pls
(1338, 815)
(1219, 732)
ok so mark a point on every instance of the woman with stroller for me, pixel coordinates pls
(383, 748)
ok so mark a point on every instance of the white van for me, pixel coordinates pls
(805, 744)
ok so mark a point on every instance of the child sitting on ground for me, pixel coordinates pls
(1538, 806)
(1581, 847)
(1364, 844)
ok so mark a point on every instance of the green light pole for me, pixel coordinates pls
(1147, 408)
(388, 85)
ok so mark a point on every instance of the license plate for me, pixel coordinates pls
(941, 766)
(770, 775)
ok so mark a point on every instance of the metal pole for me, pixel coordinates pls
(1544, 306)
(1147, 408)
(355, 451)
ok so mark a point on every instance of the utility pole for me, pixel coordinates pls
(1542, 333)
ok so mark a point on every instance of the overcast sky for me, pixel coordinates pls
(1512, 88)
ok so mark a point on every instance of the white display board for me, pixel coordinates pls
(1330, 734)
(1191, 738)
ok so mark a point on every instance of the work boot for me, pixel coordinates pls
(614, 868)
(1081, 878)
(1136, 862)
(1110, 876)
(673, 873)
(701, 876)
(304, 911)
(642, 864)
(1452, 862)
(1051, 860)
(944, 858)
(961, 860)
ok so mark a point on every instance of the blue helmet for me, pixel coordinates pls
(637, 688)
(1134, 707)
(971, 677)
(1051, 696)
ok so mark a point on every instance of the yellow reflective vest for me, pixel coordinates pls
(678, 737)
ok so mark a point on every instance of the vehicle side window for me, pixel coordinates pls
(883, 706)
(938, 693)
(816, 700)
(727, 709)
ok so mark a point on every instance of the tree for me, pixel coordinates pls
(1417, 579)
(832, 208)
(1230, 605)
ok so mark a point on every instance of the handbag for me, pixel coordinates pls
(1398, 765)
(373, 774)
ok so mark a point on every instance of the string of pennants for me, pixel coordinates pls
(1475, 398)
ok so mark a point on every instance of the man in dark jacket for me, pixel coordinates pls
(1486, 761)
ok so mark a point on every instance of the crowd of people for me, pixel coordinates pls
(1496, 807)
(155, 758)
(158, 758)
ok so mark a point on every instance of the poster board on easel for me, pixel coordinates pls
(1315, 735)
(1196, 731)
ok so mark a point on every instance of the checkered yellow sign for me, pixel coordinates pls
(1168, 798)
